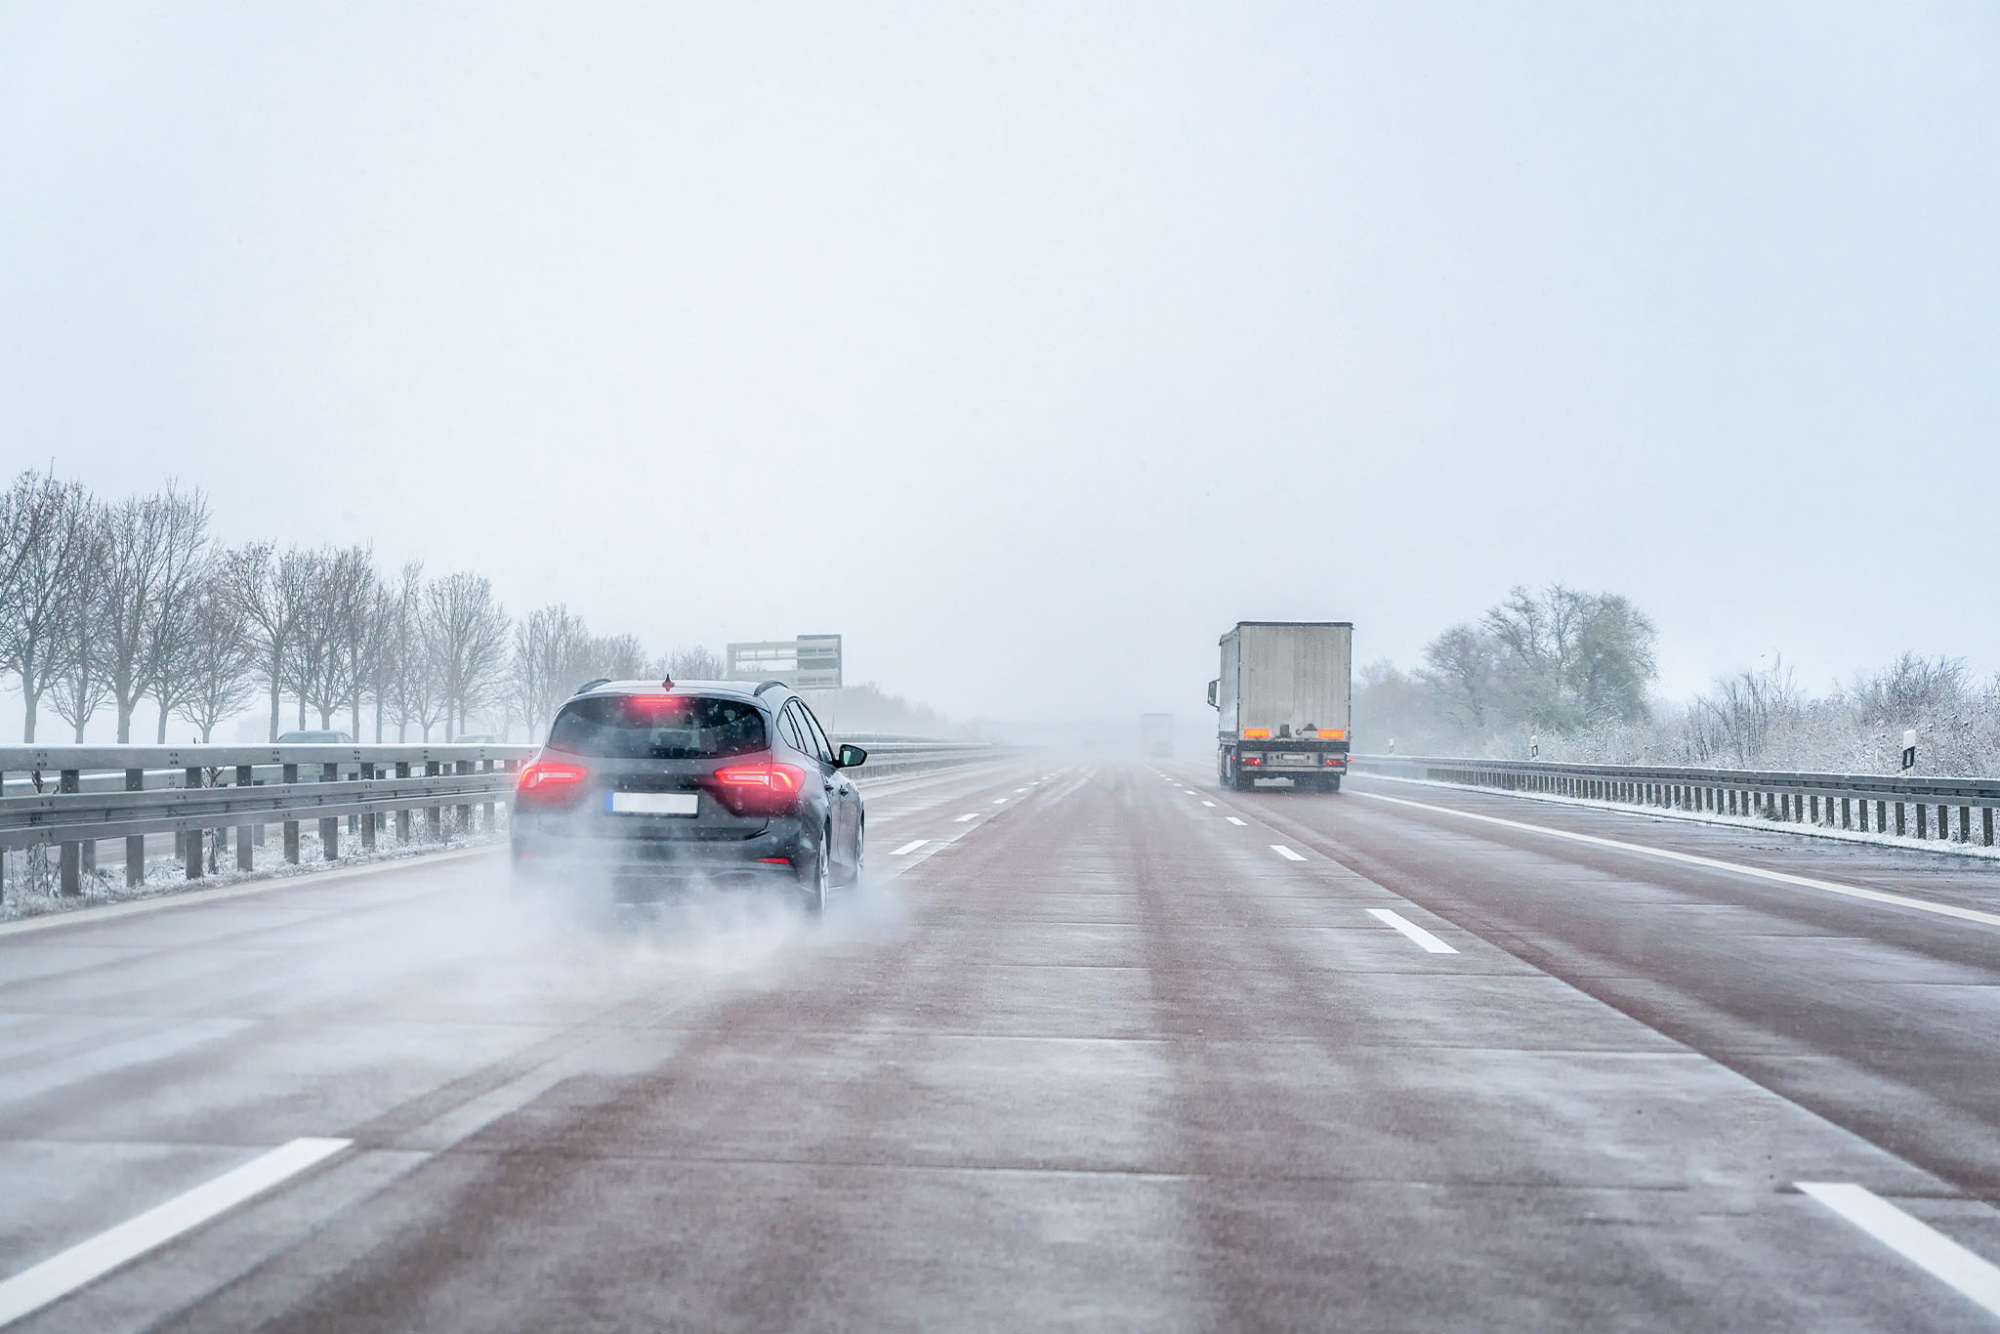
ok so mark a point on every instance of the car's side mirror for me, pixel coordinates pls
(1211, 692)
(851, 757)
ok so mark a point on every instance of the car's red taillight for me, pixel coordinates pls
(550, 782)
(759, 789)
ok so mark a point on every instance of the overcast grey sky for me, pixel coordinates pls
(1032, 346)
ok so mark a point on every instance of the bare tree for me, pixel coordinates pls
(275, 594)
(328, 667)
(358, 610)
(82, 687)
(220, 658)
(406, 675)
(179, 528)
(552, 657)
(466, 632)
(692, 664)
(159, 553)
(620, 657)
(50, 520)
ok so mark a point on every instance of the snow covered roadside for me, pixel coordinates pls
(1803, 829)
(32, 894)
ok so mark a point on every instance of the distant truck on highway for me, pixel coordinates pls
(1284, 703)
(1156, 735)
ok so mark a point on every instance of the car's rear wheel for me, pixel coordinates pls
(815, 879)
(860, 851)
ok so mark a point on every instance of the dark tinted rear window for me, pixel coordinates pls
(659, 727)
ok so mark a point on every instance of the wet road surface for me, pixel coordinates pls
(1097, 1046)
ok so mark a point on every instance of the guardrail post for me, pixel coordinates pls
(402, 812)
(368, 817)
(487, 808)
(135, 844)
(1844, 814)
(192, 838)
(329, 826)
(1986, 820)
(71, 856)
(433, 815)
(465, 809)
(246, 858)
(290, 775)
(1923, 820)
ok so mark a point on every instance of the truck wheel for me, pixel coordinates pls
(1241, 781)
(1331, 784)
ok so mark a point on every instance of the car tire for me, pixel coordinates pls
(860, 852)
(814, 881)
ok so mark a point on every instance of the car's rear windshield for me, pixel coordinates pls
(659, 727)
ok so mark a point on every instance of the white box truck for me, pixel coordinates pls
(1284, 703)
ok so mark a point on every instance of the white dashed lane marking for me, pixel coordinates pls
(1412, 930)
(1712, 863)
(64, 1273)
(1919, 1243)
(911, 846)
(1286, 853)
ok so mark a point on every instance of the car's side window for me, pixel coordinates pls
(819, 735)
(788, 727)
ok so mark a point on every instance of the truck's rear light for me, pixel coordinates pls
(1256, 734)
(1253, 759)
(1335, 761)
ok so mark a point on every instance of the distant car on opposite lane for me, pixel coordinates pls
(314, 738)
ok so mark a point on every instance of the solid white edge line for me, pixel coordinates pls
(188, 898)
(1712, 863)
(1918, 1242)
(911, 846)
(1286, 853)
(61, 1274)
(1412, 930)
(1233, 820)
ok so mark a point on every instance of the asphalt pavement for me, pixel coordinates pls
(1096, 1045)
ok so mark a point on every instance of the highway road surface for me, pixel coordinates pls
(1097, 1046)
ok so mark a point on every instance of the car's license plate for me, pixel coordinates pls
(651, 803)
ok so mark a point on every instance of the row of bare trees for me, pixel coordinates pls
(105, 604)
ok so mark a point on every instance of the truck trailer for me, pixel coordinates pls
(1284, 703)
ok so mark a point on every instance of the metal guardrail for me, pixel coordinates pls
(69, 798)
(74, 796)
(1831, 801)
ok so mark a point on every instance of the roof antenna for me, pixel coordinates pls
(666, 681)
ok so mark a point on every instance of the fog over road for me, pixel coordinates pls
(1097, 1045)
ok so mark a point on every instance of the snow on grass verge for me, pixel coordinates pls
(31, 888)
(1751, 822)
